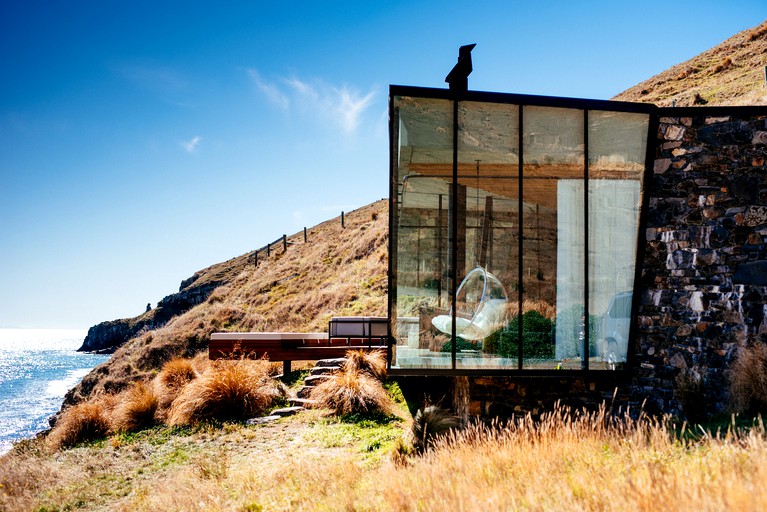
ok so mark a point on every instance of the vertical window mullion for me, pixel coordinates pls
(586, 322)
(520, 262)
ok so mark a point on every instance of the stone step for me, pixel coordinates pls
(263, 419)
(306, 403)
(304, 392)
(322, 370)
(331, 363)
(313, 380)
(287, 411)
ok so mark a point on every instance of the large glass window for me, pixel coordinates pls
(537, 286)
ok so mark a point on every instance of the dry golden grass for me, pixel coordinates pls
(759, 32)
(173, 376)
(373, 363)
(83, 422)
(540, 306)
(136, 408)
(229, 390)
(748, 379)
(353, 391)
(580, 462)
(731, 73)
(566, 461)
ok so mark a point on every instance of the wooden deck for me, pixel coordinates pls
(288, 346)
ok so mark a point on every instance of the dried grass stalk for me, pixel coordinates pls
(371, 362)
(748, 379)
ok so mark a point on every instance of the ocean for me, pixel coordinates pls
(37, 368)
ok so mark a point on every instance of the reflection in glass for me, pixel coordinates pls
(503, 311)
(553, 237)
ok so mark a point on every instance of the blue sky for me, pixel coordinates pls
(142, 141)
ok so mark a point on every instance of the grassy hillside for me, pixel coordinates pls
(731, 73)
(338, 271)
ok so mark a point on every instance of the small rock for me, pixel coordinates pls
(662, 165)
(759, 138)
(262, 420)
(287, 411)
(675, 132)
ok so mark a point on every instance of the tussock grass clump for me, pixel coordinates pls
(758, 32)
(352, 391)
(228, 390)
(136, 409)
(83, 422)
(748, 379)
(430, 425)
(372, 363)
(176, 373)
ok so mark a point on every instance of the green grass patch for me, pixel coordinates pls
(372, 436)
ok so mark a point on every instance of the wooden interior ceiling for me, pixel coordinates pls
(539, 181)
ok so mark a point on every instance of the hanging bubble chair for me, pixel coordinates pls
(481, 307)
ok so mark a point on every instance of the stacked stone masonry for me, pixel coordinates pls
(703, 287)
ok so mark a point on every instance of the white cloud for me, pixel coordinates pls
(271, 91)
(191, 145)
(351, 106)
(343, 105)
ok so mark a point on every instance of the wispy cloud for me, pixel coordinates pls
(270, 90)
(343, 105)
(191, 145)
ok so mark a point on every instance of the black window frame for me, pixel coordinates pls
(522, 100)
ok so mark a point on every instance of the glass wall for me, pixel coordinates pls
(537, 287)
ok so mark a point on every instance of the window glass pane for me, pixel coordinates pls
(424, 153)
(488, 154)
(552, 239)
(554, 329)
(617, 145)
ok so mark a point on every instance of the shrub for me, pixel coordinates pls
(228, 390)
(366, 361)
(136, 409)
(82, 422)
(537, 340)
(429, 425)
(351, 391)
(748, 379)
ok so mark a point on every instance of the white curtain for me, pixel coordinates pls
(613, 223)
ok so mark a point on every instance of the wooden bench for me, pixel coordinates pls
(345, 333)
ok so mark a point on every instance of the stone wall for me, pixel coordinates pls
(703, 289)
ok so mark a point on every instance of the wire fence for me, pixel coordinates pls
(280, 242)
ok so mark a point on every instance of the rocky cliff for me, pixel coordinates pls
(107, 336)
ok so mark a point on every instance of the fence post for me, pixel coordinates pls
(255, 259)
(268, 249)
(342, 220)
(304, 234)
(284, 243)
